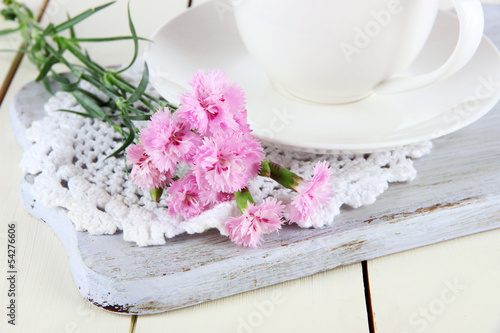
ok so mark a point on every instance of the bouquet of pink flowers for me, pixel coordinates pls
(209, 135)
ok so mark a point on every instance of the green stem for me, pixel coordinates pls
(243, 197)
(115, 79)
(146, 95)
(80, 56)
(280, 174)
(156, 194)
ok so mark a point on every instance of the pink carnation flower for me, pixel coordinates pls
(249, 228)
(143, 173)
(184, 197)
(311, 194)
(213, 104)
(225, 163)
(168, 140)
(212, 198)
(241, 119)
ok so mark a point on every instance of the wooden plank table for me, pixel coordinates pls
(447, 287)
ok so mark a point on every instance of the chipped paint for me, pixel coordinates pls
(423, 210)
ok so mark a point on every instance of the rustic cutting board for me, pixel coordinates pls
(456, 193)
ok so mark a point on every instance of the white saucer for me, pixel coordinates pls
(205, 37)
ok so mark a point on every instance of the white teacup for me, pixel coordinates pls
(340, 51)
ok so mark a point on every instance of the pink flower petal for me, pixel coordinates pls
(226, 163)
(214, 105)
(143, 173)
(184, 197)
(168, 141)
(249, 228)
(311, 194)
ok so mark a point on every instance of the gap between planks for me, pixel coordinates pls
(133, 324)
(18, 58)
(368, 297)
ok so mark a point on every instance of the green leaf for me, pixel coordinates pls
(139, 111)
(46, 68)
(8, 14)
(72, 33)
(80, 17)
(156, 194)
(9, 31)
(265, 169)
(49, 30)
(87, 56)
(89, 104)
(86, 115)
(141, 88)
(139, 118)
(61, 79)
(69, 87)
(58, 55)
(37, 46)
(94, 68)
(47, 86)
(243, 197)
(128, 141)
(105, 39)
(134, 37)
(28, 10)
(107, 83)
(65, 84)
(122, 105)
(96, 98)
(280, 174)
(98, 84)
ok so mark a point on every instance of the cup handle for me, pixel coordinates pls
(471, 19)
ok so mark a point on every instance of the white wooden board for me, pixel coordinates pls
(447, 287)
(442, 203)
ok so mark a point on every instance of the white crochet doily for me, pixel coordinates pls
(69, 170)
